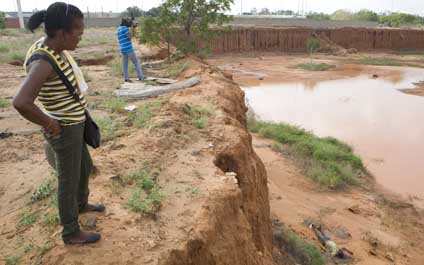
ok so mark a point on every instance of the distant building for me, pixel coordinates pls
(12, 19)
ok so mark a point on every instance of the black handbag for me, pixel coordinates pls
(91, 130)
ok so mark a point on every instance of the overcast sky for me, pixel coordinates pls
(327, 6)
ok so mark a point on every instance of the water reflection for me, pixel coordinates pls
(384, 125)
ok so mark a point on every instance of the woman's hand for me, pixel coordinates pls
(53, 129)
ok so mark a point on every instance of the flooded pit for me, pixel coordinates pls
(384, 125)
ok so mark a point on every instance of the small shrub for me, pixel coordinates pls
(198, 113)
(4, 103)
(115, 104)
(146, 196)
(315, 66)
(298, 250)
(2, 20)
(148, 204)
(51, 219)
(379, 61)
(144, 113)
(175, 69)
(11, 260)
(108, 128)
(199, 123)
(4, 48)
(27, 219)
(45, 190)
(312, 45)
(147, 182)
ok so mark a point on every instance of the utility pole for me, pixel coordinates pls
(298, 7)
(87, 17)
(21, 16)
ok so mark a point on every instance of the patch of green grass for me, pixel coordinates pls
(144, 177)
(45, 190)
(199, 123)
(326, 160)
(17, 56)
(148, 203)
(409, 52)
(27, 219)
(53, 202)
(11, 260)
(51, 219)
(45, 247)
(302, 251)
(4, 103)
(140, 117)
(146, 196)
(4, 48)
(9, 32)
(175, 69)
(315, 66)
(199, 114)
(42, 250)
(379, 61)
(108, 128)
(115, 104)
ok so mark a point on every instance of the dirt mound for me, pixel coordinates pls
(95, 61)
(329, 47)
(16, 63)
(208, 215)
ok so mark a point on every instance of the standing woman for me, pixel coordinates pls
(61, 116)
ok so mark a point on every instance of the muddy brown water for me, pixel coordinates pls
(384, 125)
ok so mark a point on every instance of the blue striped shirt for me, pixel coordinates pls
(125, 43)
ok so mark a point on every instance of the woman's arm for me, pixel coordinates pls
(23, 102)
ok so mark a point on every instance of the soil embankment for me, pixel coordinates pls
(215, 208)
(261, 39)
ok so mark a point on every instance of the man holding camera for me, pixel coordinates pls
(127, 50)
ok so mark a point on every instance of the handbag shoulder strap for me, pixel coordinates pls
(65, 80)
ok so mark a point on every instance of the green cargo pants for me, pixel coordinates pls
(69, 156)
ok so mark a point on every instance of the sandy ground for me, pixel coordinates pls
(375, 230)
(294, 199)
(184, 156)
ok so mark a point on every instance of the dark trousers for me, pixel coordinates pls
(69, 156)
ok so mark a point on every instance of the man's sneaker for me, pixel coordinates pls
(141, 79)
(81, 237)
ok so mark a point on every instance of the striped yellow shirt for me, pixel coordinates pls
(55, 97)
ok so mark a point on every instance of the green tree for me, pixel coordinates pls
(399, 19)
(2, 20)
(365, 15)
(133, 11)
(312, 45)
(197, 16)
(153, 12)
(342, 15)
(264, 11)
(318, 16)
(157, 29)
